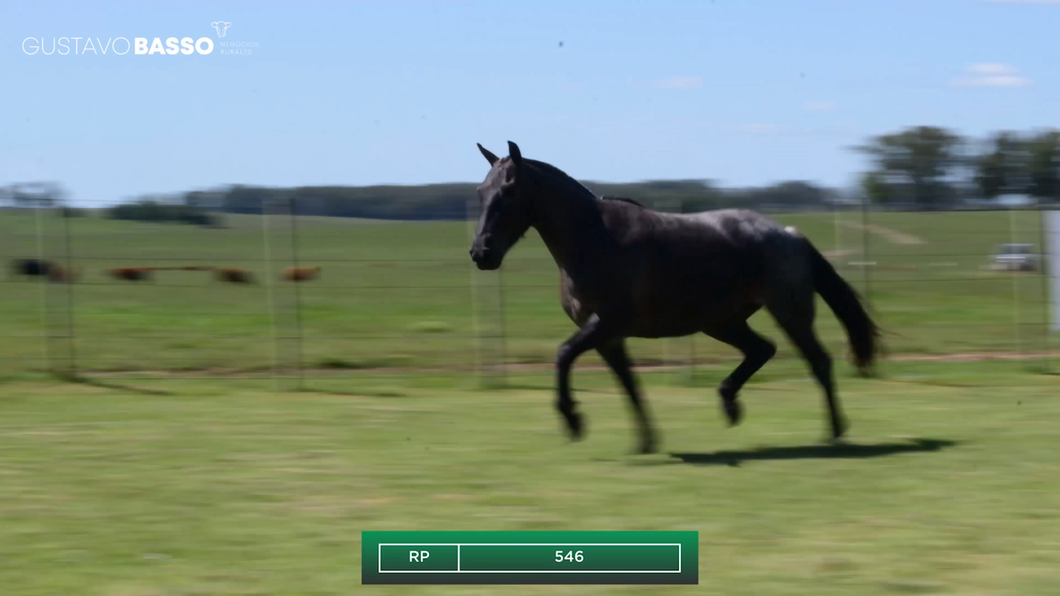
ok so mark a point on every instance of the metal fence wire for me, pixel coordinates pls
(398, 296)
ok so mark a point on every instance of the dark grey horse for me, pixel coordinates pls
(628, 271)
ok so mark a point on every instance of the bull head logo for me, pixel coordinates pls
(221, 27)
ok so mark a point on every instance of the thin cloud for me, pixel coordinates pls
(678, 83)
(756, 128)
(765, 129)
(992, 74)
(821, 106)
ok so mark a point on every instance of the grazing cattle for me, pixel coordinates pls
(60, 274)
(31, 267)
(232, 275)
(183, 268)
(132, 273)
(301, 273)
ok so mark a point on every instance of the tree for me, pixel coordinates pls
(990, 173)
(1005, 168)
(874, 189)
(156, 212)
(917, 162)
(1044, 166)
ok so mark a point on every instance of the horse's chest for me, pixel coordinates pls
(578, 303)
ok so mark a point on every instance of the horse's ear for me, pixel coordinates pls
(514, 153)
(486, 153)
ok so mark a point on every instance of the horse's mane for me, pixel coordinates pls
(563, 178)
(574, 185)
(624, 200)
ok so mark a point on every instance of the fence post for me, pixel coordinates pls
(503, 335)
(270, 295)
(671, 365)
(45, 325)
(47, 195)
(1044, 274)
(475, 326)
(837, 245)
(692, 360)
(692, 338)
(867, 256)
(297, 295)
(1016, 315)
(71, 330)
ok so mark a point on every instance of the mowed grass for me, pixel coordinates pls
(400, 294)
(950, 483)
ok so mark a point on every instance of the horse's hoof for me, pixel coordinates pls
(733, 411)
(575, 425)
(839, 428)
(647, 446)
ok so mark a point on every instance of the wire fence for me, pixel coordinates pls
(387, 297)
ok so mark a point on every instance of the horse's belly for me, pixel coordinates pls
(669, 300)
(679, 313)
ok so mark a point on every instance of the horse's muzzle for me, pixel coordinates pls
(485, 259)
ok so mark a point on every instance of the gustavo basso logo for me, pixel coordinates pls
(141, 46)
(121, 46)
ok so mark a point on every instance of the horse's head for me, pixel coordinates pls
(505, 208)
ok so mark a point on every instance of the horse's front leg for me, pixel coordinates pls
(595, 333)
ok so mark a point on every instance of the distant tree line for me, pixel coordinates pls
(931, 167)
(153, 211)
(925, 166)
(451, 201)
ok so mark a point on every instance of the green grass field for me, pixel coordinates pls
(949, 484)
(164, 472)
(398, 294)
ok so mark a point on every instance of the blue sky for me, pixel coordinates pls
(365, 92)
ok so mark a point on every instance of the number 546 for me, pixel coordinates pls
(571, 555)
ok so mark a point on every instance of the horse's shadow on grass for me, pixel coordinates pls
(364, 393)
(82, 380)
(834, 451)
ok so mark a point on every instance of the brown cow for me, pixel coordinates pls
(60, 274)
(301, 273)
(131, 273)
(232, 275)
(183, 268)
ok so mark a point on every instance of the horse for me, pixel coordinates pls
(301, 273)
(232, 275)
(131, 273)
(31, 267)
(628, 271)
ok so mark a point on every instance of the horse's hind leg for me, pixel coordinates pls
(756, 349)
(795, 315)
(614, 354)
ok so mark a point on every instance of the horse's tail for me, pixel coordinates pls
(845, 302)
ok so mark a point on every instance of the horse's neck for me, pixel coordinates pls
(572, 232)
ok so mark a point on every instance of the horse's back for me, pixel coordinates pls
(740, 226)
(776, 256)
(691, 272)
